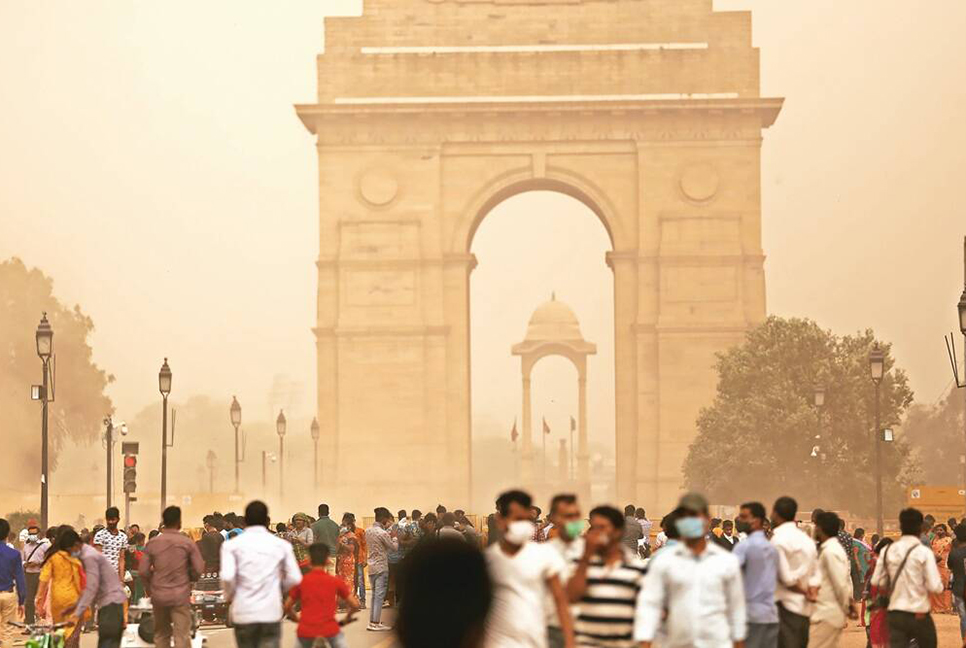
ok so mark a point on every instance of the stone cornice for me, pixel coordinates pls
(382, 331)
(643, 120)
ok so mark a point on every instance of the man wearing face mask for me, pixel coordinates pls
(32, 554)
(759, 570)
(568, 524)
(695, 586)
(523, 573)
(606, 584)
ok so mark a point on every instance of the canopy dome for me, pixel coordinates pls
(553, 320)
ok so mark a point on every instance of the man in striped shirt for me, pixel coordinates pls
(606, 584)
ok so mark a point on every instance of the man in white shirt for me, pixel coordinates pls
(695, 586)
(908, 568)
(798, 577)
(257, 571)
(523, 573)
(834, 603)
(646, 526)
(568, 543)
(34, 549)
(379, 545)
(112, 541)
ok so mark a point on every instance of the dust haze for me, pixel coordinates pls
(154, 168)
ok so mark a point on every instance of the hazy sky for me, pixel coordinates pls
(153, 165)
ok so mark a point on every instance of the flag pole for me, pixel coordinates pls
(572, 426)
(544, 450)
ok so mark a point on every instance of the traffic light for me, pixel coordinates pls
(130, 473)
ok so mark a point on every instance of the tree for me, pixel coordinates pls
(756, 439)
(80, 404)
(935, 433)
(19, 519)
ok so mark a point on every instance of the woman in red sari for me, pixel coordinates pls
(874, 618)
(348, 550)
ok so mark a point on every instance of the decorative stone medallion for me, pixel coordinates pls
(699, 182)
(378, 187)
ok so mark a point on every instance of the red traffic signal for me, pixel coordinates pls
(130, 473)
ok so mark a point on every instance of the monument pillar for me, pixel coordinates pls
(526, 465)
(583, 449)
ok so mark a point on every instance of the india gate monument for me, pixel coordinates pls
(432, 112)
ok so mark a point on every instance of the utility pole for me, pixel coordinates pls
(210, 460)
(877, 371)
(109, 423)
(951, 350)
(45, 349)
(164, 386)
(961, 308)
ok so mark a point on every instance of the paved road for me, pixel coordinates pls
(358, 636)
(947, 626)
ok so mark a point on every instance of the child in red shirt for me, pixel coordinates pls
(319, 594)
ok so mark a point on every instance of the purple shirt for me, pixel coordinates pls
(103, 584)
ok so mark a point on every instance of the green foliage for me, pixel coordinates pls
(755, 441)
(80, 404)
(18, 519)
(936, 433)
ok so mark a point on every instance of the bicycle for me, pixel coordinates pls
(43, 635)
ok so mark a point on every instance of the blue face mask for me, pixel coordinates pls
(76, 554)
(690, 528)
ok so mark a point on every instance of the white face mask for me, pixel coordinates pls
(519, 532)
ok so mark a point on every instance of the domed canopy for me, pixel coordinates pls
(554, 330)
(553, 320)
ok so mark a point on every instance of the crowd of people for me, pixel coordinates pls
(607, 579)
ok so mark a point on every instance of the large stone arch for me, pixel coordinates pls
(431, 111)
(494, 191)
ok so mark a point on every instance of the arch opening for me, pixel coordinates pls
(532, 247)
(504, 189)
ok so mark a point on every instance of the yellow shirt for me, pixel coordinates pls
(63, 572)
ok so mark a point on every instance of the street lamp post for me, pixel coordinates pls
(45, 348)
(164, 386)
(110, 436)
(266, 455)
(951, 350)
(236, 421)
(819, 400)
(961, 307)
(280, 428)
(315, 442)
(210, 460)
(877, 371)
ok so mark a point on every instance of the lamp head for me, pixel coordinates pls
(235, 412)
(314, 428)
(876, 364)
(280, 423)
(45, 338)
(164, 379)
(962, 312)
(819, 395)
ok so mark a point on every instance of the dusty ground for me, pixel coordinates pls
(947, 626)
